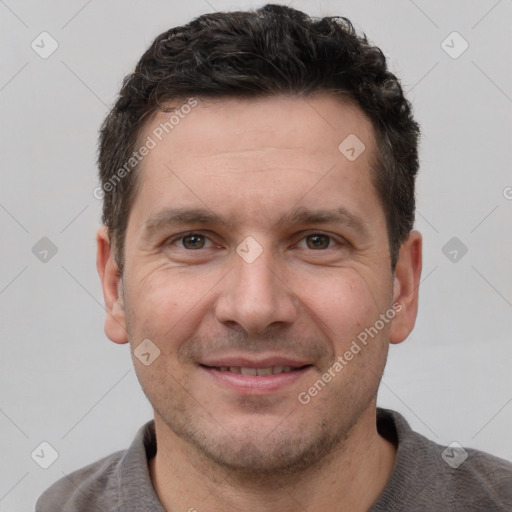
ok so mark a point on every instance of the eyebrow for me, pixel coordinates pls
(171, 216)
(298, 216)
(340, 215)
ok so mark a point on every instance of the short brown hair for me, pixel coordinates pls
(273, 50)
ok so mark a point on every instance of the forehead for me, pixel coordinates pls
(314, 124)
(239, 153)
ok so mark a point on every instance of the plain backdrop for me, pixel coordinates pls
(63, 382)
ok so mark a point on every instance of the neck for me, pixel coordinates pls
(352, 478)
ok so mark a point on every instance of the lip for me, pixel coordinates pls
(255, 384)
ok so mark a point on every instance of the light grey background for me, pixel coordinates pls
(62, 381)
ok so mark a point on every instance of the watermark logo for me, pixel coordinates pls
(44, 45)
(454, 455)
(454, 249)
(44, 250)
(454, 45)
(352, 147)
(249, 249)
(44, 455)
(147, 352)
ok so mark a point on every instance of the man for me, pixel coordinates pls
(258, 255)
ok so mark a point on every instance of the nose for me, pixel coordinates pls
(256, 296)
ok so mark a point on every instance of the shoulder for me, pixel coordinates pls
(484, 478)
(430, 476)
(120, 481)
(89, 488)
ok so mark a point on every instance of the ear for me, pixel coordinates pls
(108, 270)
(405, 289)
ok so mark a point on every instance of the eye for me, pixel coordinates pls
(191, 241)
(318, 241)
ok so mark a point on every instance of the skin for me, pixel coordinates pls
(252, 162)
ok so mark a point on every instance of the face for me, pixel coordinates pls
(256, 253)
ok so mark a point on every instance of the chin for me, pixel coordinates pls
(265, 452)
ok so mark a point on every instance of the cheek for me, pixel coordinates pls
(346, 308)
(343, 302)
(165, 308)
(167, 305)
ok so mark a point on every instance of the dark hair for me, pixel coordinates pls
(271, 51)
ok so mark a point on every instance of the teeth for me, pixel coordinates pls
(264, 371)
(271, 370)
(248, 371)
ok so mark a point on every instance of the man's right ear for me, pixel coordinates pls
(108, 270)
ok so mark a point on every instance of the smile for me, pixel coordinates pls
(271, 370)
(256, 380)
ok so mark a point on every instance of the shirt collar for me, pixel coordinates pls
(136, 491)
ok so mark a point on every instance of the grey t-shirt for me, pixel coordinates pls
(423, 478)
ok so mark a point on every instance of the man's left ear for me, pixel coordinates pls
(406, 287)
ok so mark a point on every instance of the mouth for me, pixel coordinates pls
(256, 379)
(257, 371)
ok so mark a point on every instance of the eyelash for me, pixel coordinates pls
(180, 237)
